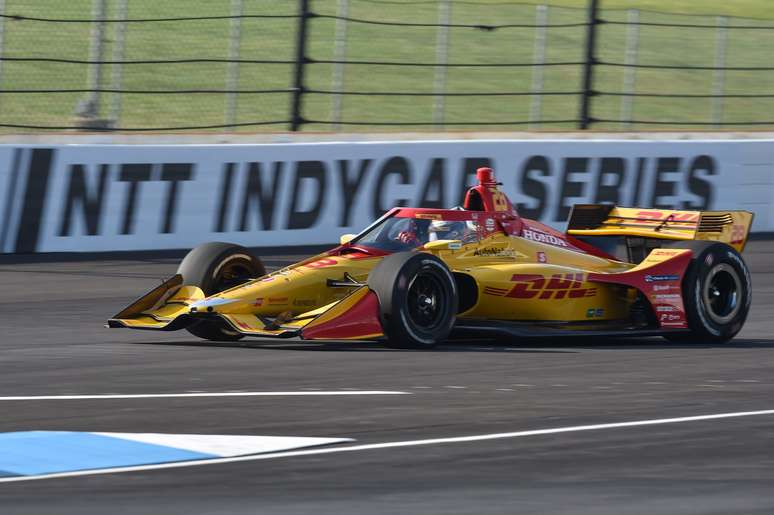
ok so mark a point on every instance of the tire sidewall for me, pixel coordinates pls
(391, 281)
(200, 268)
(699, 320)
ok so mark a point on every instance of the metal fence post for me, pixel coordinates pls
(720, 74)
(441, 58)
(119, 46)
(588, 68)
(630, 72)
(89, 108)
(296, 109)
(340, 55)
(232, 70)
(541, 20)
(2, 40)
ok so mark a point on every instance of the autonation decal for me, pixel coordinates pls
(136, 197)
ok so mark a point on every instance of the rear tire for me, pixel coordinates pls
(215, 267)
(717, 292)
(417, 299)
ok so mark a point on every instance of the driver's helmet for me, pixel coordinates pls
(447, 230)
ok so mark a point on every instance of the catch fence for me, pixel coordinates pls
(333, 65)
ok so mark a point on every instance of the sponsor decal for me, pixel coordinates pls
(668, 296)
(664, 287)
(669, 317)
(738, 232)
(657, 278)
(243, 325)
(595, 313)
(455, 245)
(666, 309)
(428, 216)
(258, 302)
(495, 252)
(672, 324)
(558, 286)
(303, 302)
(278, 300)
(542, 237)
(672, 216)
(490, 290)
(490, 224)
(667, 252)
(321, 263)
(541, 257)
(268, 279)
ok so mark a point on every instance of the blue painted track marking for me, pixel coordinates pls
(46, 452)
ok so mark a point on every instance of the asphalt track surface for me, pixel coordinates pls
(53, 343)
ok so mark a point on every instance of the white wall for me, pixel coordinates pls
(177, 196)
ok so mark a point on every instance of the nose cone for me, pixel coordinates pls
(209, 305)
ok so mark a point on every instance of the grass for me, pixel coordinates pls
(275, 39)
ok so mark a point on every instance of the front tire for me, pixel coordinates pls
(717, 292)
(215, 267)
(417, 299)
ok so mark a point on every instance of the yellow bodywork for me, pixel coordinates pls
(517, 279)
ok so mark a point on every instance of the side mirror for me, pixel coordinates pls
(346, 238)
(443, 245)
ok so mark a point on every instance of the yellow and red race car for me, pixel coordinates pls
(416, 276)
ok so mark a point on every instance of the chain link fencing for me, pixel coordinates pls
(350, 65)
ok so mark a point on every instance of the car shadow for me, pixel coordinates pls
(564, 345)
(359, 346)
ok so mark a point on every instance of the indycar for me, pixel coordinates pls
(417, 277)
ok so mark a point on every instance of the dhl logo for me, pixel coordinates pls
(535, 286)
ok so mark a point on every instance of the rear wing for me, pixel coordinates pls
(730, 227)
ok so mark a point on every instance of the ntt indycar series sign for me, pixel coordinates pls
(136, 197)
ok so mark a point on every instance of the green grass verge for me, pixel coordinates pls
(275, 39)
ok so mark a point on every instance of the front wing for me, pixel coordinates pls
(168, 308)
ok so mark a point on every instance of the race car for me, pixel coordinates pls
(416, 277)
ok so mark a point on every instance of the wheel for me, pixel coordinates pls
(417, 299)
(717, 291)
(215, 267)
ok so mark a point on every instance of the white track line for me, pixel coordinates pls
(388, 445)
(198, 394)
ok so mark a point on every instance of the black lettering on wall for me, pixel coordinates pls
(568, 188)
(264, 196)
(469, 167)
(225, 197)
(609, 180)
(533, 188)
(637, 186)
(34, 197)
(134, 174)
(90, 202)
(174, 173)
(398, 166)
(432, 190)
(662, 187)
(699, 186)
(306, 172)
(350, 187)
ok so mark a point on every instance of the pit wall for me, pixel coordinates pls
(112, 194)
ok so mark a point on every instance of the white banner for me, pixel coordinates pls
(73, 198)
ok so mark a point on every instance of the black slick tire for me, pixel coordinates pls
(215, 267)
(717, 293)
(417, 299)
